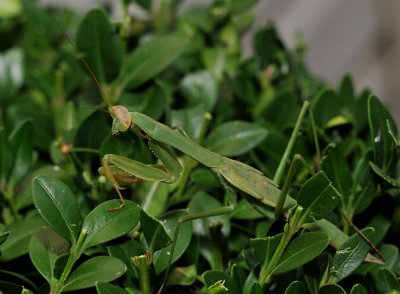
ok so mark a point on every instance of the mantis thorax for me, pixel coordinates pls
(122, 119)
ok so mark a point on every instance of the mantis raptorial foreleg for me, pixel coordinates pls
(116, 167)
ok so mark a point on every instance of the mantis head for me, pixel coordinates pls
(122, 119)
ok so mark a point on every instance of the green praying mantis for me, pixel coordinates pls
(160, 140)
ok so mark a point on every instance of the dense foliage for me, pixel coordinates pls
(186, 71)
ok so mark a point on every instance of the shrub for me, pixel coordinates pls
(186, 71)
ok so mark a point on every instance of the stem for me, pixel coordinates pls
(75, 252)
(86, 150)
(315, 137)
(292, 226)
(143, 262)
(286, 184)
(281, 168)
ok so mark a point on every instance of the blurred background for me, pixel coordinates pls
(358, 37)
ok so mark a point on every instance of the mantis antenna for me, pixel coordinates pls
(86, 65)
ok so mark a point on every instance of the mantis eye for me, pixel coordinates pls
(122, 119)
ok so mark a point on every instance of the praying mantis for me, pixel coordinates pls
(160, 139)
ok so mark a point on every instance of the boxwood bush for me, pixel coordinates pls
(337, 233)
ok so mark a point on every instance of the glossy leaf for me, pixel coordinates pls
(152, 102)
(154, 232)
(12, 77)
(17, 243)
(386, 281)
(350, 255)
(11, 281)
(149, 59)
(326, 107)
(106, 288)
(191, 120)
(212, 277)
(202, 203)
(301, 250)
(45, 247)
(102, 225)
(21, 146)
(295, 287)
(125, 251)
(58, 206)
(264, 248)
(358, 289)
(318, 196)
(182, 276)
(5, 158)
(393, 182)
(252, 285)
(161, 257)
(97, 269)
(331, 289)
(200, 88)
(235, 138)
(380, 124)
(99, 44)
(336, 168)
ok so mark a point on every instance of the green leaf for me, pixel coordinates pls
(12, 74)
(381, 225)
(200, 88)
(106, 288)
(152, 101)
(154, 232)
(17, 243)
(267, 45)
(364, 183)
(386, 281)
(212, 277)
(58, 206)
(326, 107)
(102, 225)
(99, 44)
(331, 289)
(201, 203)
(235, 138)
(337, 169)
(204, 177)
(21, 145)
(190, 120)
(377, 170)
(97, 269)
(161, 257)
(252, 285)
(282, 111)
(10, 282)
(39, 29)
(358, 289)
(349, 256)
(218, 60)
(264, 248)
(45, 247)
(381, 124)
(5, 158)
(125, 251)
(318, 196)
(149, 59)
(295, 287)
(184, 276)
(302, 250)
